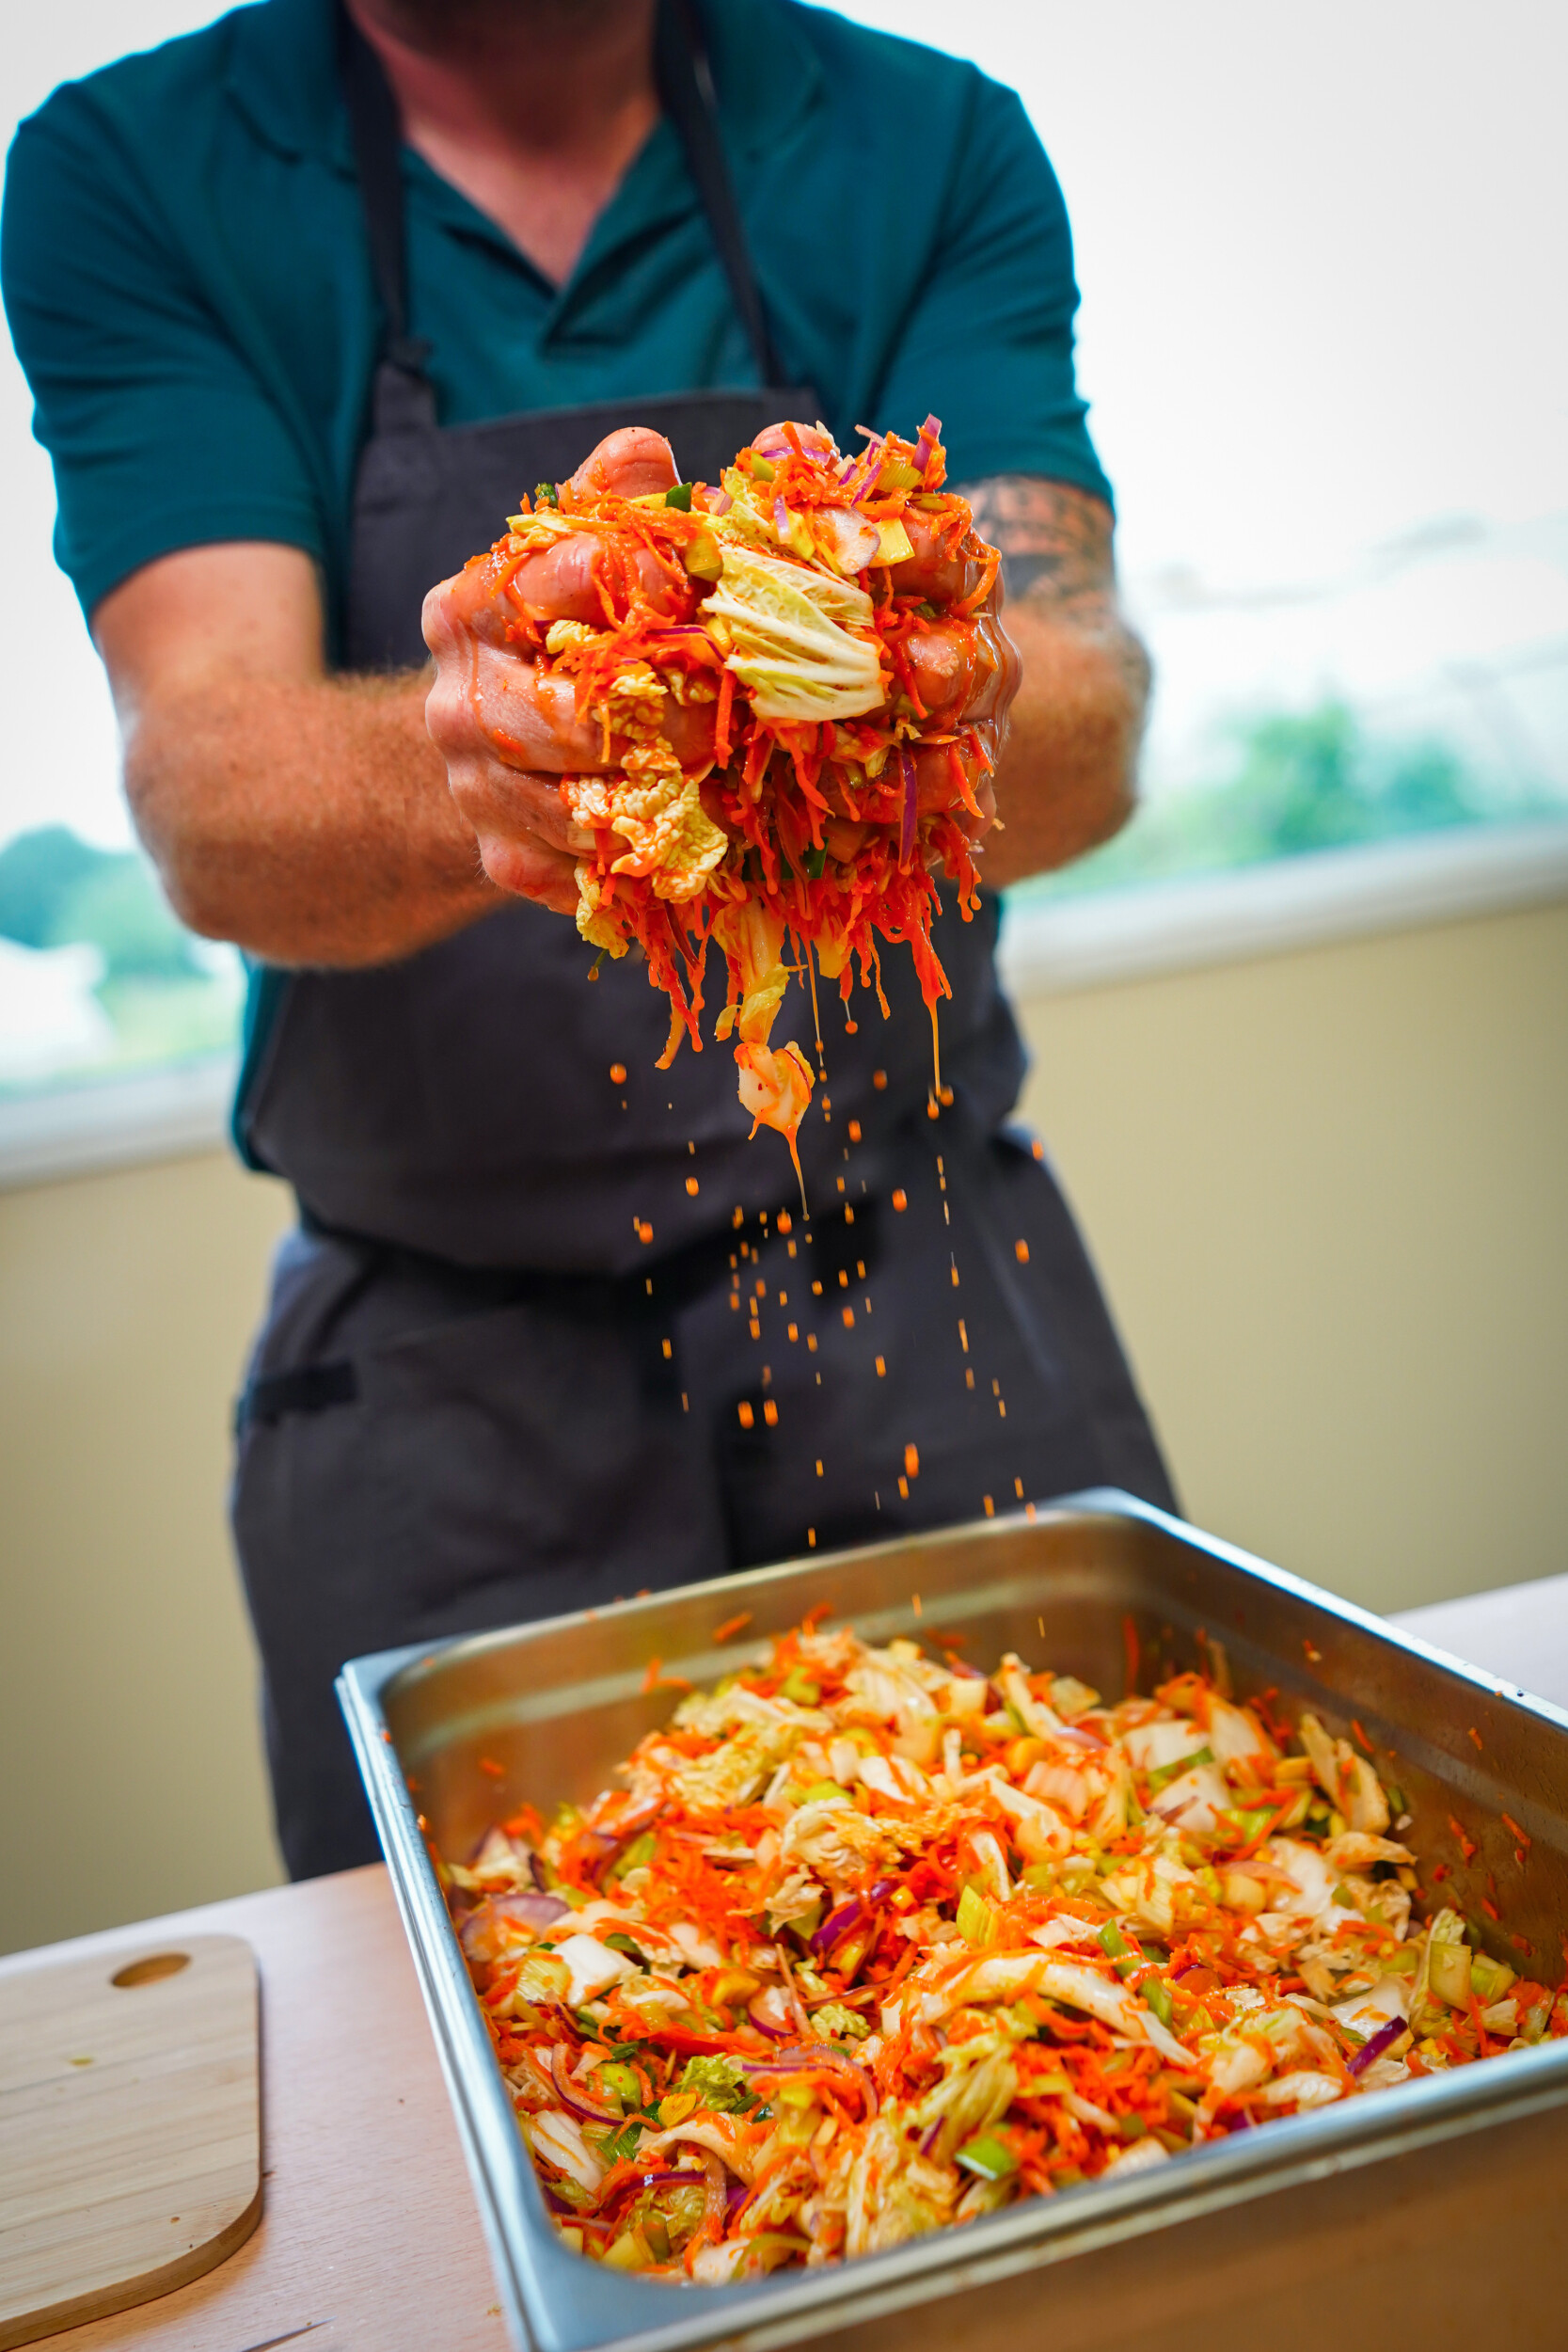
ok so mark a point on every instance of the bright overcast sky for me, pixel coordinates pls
(1322, 259)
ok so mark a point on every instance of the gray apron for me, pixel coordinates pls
(479, 1396)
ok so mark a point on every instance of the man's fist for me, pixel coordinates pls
(508, 731)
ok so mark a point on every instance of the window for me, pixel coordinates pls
(1324, 353)
(97, 979)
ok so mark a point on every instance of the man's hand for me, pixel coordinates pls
(1067, 779)
(507, 731)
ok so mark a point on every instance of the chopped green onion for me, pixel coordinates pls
(977, 1921)
(1249, 1823)
(763, 469)
(545, 494)
(640, 1853)
(679, 497)
(986, 2158)
(1449, 1974)
(798, 1684)
(814, 861)
(1162, 1772)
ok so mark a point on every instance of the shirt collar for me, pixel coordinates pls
(283, 74)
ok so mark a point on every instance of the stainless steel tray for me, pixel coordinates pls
(557, 1702)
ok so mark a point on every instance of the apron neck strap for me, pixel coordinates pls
(685, 92)
(404, 395)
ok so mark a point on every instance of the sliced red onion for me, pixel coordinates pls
(764, 2024)
(962, 1669)
(781, 518)
(536, 1910)
(720, 503)
(735, 2197)
(637, 2182)
(527, 1910)
(536, 1865)
(571, 2094)
(906, 823)
(804, 2055)
(931, 2137)
(882, 1889)
(1381, 2041)
(818, 2058)
(931, 432)
(871, 458)
(837, 1924)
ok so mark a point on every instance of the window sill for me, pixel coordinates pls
(1073, 944)
(162, 1114)
(1310, 901)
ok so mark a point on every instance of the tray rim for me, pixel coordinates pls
(789, 2307)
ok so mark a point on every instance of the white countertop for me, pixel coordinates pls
(1519, 1633)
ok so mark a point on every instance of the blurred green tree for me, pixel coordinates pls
(1299, 782)
(56, 889)
(38, 872)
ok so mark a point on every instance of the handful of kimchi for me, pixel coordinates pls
(870, 1943)
(838, 614)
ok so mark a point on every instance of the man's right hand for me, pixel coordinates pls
(507, 731)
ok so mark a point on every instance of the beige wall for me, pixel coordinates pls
(1328, 1196)
(1326, 1192)
(129, 1760)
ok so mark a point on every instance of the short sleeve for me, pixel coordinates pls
(160, 434)
(988, 343)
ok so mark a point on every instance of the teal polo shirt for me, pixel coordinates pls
(188, 283)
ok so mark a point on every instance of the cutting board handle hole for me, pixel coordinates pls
(148, 1971)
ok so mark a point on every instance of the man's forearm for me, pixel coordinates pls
(1067, 779)
(309, 823)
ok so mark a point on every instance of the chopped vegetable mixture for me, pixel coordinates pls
(837, 615)
(870, 1944)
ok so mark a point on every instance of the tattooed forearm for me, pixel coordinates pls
(1051, 536)
(1068, 776)
(1057, 561)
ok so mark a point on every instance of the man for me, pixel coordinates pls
(306, 300)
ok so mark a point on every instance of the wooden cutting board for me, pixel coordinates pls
(130, 2127)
